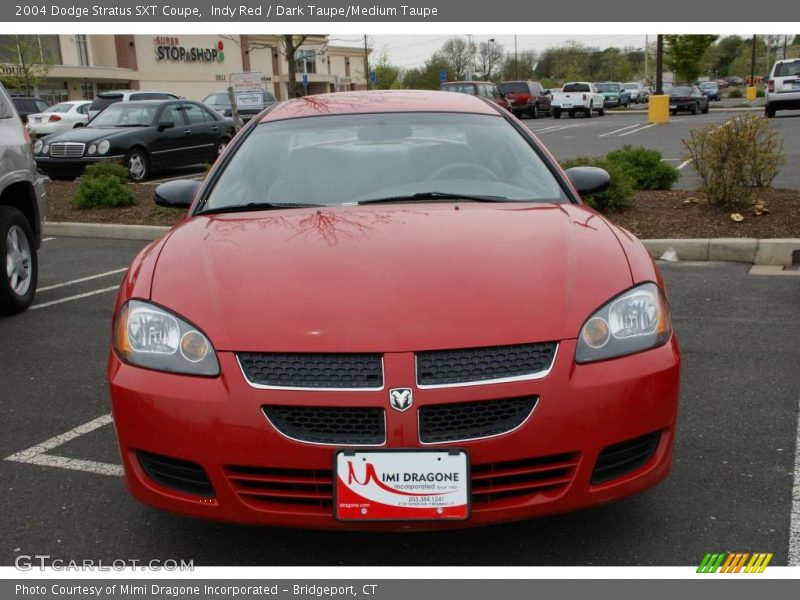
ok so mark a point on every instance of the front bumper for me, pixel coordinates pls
(611, 102)
(218, 424)
(69, 167)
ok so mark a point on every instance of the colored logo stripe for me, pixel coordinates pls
(733, 562)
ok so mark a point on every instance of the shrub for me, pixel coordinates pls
(103, 191)
(735, 93)
(106, 167)
(735, 159)
(645, 167)
(618, 195)
(760, 93)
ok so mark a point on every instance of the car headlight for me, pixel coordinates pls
(103, 147)
(46, 149)
(37, 147)
(91, 149)
(636, 320)
(146, 335)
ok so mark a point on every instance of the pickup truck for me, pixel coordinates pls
(577, 97)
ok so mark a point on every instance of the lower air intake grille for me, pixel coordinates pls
(329, 425)
(313, 371)
(472, 420)
(283, 490)
(517, 479)
(181, 475)
(624, 457)
(476, 365)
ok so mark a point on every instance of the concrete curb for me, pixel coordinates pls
(774, 252)
(637, 111)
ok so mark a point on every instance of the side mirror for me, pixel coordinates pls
(546, 93)
(588, 180)
(162, 125)
(177, 194)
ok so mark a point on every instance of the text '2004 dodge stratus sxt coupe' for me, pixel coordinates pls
(391, 310)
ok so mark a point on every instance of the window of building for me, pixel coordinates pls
(83, 50)
(305, 61)
(30, 49)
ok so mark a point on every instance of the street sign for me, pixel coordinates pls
(373, 77)
(305, 80)
(247, 82)
(442, 75)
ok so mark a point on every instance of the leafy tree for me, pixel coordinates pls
(426, 77)
(722, 54)
(490, 58)
(684, 55)
(521, 67)
(458, 55)
(32, 66)
(387, 75)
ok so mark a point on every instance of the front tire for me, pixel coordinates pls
(18, 256)
(601, 112)
(589, 111)
(138, 165)
(535, 112)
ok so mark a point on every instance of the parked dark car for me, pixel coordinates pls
(734, 80)
(248, 104)
(527, 98)
(485, 89)
(105, 99)
(29, 106)
(711, 89)
(141, 135)
(687, 98)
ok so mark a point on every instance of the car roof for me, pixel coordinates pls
(151, 102)
(112, 93)
(379, 101)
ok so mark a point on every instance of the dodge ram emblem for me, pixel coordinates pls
(401, 399)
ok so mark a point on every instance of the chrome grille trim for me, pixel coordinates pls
(67, 149)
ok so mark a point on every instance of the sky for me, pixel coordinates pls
(412, 50)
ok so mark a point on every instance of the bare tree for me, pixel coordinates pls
(490, 57)
(31, 64)
(458, 54)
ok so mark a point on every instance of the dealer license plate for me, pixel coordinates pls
(673, 106)
(37, 119)
(567, 106)
(402, 485)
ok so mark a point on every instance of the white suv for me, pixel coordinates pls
(104, 99)
(783, 87)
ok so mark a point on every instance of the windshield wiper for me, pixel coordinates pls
(437, 196)
(253, 206)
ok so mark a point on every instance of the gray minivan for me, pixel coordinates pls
(23, 207)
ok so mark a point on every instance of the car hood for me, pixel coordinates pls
(391, 278)
(85, 135)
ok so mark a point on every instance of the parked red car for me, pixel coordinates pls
(391, 310)
(527, 98)
(484, 89)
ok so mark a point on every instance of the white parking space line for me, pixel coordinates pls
(75, 297)
(637, 130)
(37, 455)
(683, 164)
(81, 280)
(618, 130)
(50, 239)
(562, 128)
(794, 524)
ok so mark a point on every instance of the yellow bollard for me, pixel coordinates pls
(658, 110)
(751, 94)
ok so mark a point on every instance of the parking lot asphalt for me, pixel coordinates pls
(578, 136)
(730, 489)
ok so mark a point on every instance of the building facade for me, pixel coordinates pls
(190, 66)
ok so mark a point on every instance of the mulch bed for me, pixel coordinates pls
(652, 214)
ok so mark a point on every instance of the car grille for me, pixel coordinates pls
(66, 149)
(472, 420)
(624, 457)
(283, 490)
(313, 371)
(494, 485)
(329, 425)
(482, 365)
(181, 475)
(519, 479)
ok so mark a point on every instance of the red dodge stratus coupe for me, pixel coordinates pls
(391, 310)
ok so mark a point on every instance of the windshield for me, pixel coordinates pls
(607, 87)
(514, 87)
(577, 87)
(631, 86)
(63, 107)
(680, 91)
(464, 88)
(708, 85)
(125, 114)
(345, 159)
(219, 99)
